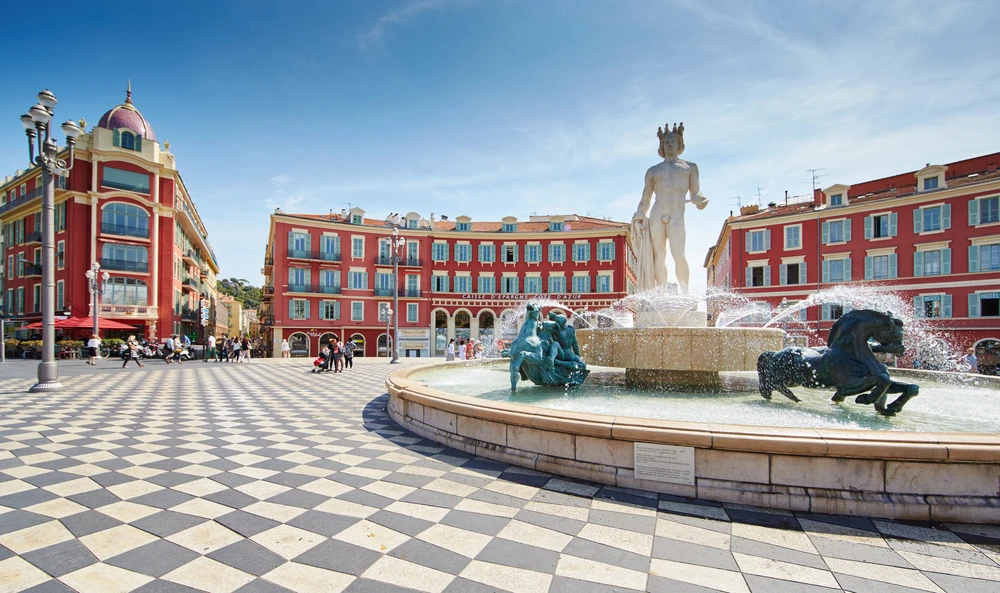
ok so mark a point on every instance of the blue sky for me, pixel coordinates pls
(513, 107)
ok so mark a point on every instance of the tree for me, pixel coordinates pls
(241, 290)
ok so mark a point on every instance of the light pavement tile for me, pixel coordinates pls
(533, 535)
(246, 459)
(599, 572)
(200, 487)
(365, 472)
(486, 508)
(57, 508)
(348, 459)
(205, 538)
(144, 458)
(449, 487)
(95, 457)
(198, 470)
(631, 541)
(461, 541)
(14, 486)
(371, 536)
(478, 472)
(200, 507)
(575, 513)
(507, 578)
(795, 540)
(711, 578)
(17, 574)
(257, 473)
(140, 472)
(692, 535)
(279, 512)
(332, 448)
(85, 469)
(937, 536)
(388, 489)
(842, 533)
(407, 574)
(622, 507)
(104, 578)
(903, 577)
(417, 470)
(206, 574)
(298, 457)
(344, 507)
(117, 540)
(420, 511)
(40, 457)
(787, 571)
(71, 487)
(951, 566)
(397, 457)
(287, 541)
(325, 487)
(309, 470)
(512, 489)
(303, 578)
(262, 490)
(698, 510)
(133, 489)
(127, 511)
(198, 457)
(25, 471)
(35, 537)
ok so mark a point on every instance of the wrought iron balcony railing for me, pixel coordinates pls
(124, 265)
(124, 230)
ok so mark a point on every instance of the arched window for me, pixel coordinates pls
(299, 344)
(118, 218)
(127, 258)
(128, 140)
(125, 291)
(359, 344)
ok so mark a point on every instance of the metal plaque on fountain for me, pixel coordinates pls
(664, 463)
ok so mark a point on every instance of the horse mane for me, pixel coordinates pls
(848, 321)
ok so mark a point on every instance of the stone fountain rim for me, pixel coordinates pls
(817, 442)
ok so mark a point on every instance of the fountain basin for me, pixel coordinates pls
(898, 475)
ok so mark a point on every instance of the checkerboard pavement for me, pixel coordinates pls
(264, 478)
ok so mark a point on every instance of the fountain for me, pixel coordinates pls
(673, 406)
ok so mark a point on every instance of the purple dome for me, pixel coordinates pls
(127, 116)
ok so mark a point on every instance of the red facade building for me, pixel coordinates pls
(124, 206)
(932, 236)
(331, 275)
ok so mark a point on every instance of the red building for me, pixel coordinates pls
(124, 206)
(331, 275)
(932, 236)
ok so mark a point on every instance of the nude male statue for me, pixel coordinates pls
(562, 343)
(670, 181)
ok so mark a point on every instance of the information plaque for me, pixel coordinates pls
(664, 463)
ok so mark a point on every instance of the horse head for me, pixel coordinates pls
(884, 328)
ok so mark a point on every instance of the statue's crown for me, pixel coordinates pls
(678, 129)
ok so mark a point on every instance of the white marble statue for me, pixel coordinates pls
(670, 181)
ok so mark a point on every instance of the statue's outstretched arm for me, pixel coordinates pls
(647, 195)
(694, 186)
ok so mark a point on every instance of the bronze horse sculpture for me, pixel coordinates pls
(542, 359)
(847, 363)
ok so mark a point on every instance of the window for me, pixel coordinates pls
(298, 244)
(358, 247)
(357, 311)
(931, 183)
(329, 279)
(129, 258)
(556, 226)
(384, 282)
(557, 252)
(463, 226)
(61, 254)
(20, 300)
(880, 226)
(509, 227)
(834, 311)
(758, 276)
(508, 285)
(932, 263)
(487, 285)
(329, 247)
(837, 200)
(357, 280)
(463, 252)
(412, 252)
(604, 283)
(605, 251)
(36, 300)
(60, 295)
(935, 305)
(984, 258)
(508, 253)
(837, 270)
(126, 292)
(129, 220)
(411, 223)
(581, 252)
(793, 237)
(880, 267)
(439, 251)
(932, 218)
(758, 241)
(487, 253)
(356, 219)
(533, 285)
(412, 285)
(983, 304)
(557, 284)
(989, 210)
(581, 284)
(412, 310)
(126, 180)
(439, 283)
(533, 253)
(329, 310)
(792, 273)
(838, 231)
(298, 279)
(463, 284)
(61, 216)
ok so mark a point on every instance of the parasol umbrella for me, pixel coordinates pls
(81, 323)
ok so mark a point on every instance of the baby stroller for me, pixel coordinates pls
(323, 362)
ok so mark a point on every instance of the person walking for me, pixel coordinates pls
(349, 354)
(223, 350)
(338, 357)
(450, 351)
(94, 349)
(972, 361)
(211, 348)
(186, 343)
(237, 346)
(169, 348)
(131, 352)
(245, 349)
(286, 350)
(461, 350)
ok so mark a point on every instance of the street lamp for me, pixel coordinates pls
(387, 313)
(396, 248)
(98, 284)
(36, 123)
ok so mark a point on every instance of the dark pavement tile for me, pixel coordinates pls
(61, 559)
(154, 559)
(339, 556)
(249, 557)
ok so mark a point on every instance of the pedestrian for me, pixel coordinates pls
(450, 351)
(237, 346)
(972, 361)
(286, 350)
(245, 348)
(169, 348)
(223, 350)
(479, 350)
(179, 348)
(186, 342)
(461, 349)
(338, 357)
(131, 352)
(211, 348)
(94, 349)
(349, 354)
(470, 349)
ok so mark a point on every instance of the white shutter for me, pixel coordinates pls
(918, 306)
(847, 270)
(767, 275)
(946, 306)
(892, 224)
(826, 233)
(847, 230)
(767, 239)
(946, 261)
(918, 221)
(749, 243)
(918, 263)
(973, 304)
(946, 216)
(749, 277)
(893, 272)
(826, 271)
(869, 272)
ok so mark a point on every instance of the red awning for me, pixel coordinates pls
(81, 323)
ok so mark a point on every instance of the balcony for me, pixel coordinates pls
(300, 287)
(33, 237)
(32, 270)
(328, 256)
(267, 293)
(191, 315)
(31, 195)
(328, 289)
(310, 288)
(191, 257)
(191, 283)
(410, 292)
(122, 265)
(411, 262)
(122, 230)
(137, 311)
(384, 292)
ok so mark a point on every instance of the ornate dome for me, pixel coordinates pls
(127, 116)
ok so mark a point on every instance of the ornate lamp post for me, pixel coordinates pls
(98, 284)
(396, 248)
(387, 313)
(36, 123)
